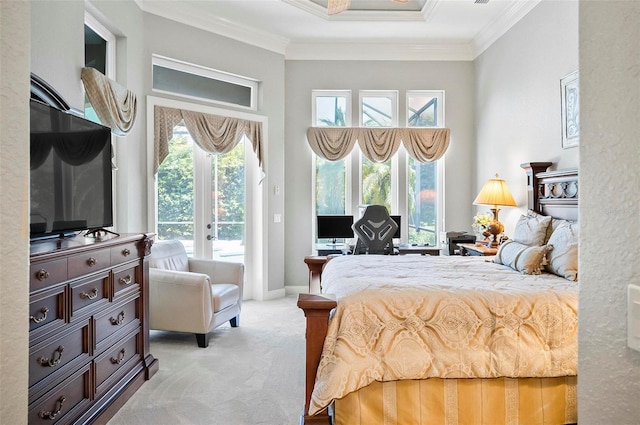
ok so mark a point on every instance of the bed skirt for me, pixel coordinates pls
(508, 401)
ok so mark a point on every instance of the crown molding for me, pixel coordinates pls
(379, 51)
(498, 27)
(216, 25)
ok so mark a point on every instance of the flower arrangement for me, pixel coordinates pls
(481, 221)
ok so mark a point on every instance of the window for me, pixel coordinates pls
(198, 82)
(331, 109)
(99, 53)
(424, 109)
(406, 187)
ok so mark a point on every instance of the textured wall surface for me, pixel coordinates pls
(14, 250)
(609, 372)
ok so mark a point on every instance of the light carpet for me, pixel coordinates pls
(252, 374)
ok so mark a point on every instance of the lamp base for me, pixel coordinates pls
(495, 228)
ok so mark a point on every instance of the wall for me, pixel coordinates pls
(518, 100)
(14, 252)
(456, 78)
(609, 387)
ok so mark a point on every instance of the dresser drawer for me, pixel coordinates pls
(88, 262)
(124, 278)
(64, 402)
(47, 306)
(116, 318)
(56, 353)
(47, 273)
(123, 253)
(113, 363)
(89, 291)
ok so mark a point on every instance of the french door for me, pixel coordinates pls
(201, 199)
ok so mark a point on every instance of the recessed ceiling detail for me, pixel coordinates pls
(365, 10)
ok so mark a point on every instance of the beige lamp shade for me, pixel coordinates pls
(495, 192)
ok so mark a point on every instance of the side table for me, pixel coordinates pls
(476, 249)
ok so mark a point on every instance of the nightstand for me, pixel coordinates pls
(476, 249)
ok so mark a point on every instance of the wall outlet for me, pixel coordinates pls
(277, 218)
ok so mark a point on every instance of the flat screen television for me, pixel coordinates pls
(398, 220)
(334, 227)
(70, 173)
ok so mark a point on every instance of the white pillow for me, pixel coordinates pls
(531, 229)
(562, 259)
(520, 257)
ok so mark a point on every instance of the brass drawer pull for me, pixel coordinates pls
(119, 359)
(92, 262)
(91, 295)
(42, 274)
(125, 280)
(126, 252)
(53, 415)
(117, 321)
(55, 358)
(43, 311)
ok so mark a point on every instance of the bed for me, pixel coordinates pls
(453, 340)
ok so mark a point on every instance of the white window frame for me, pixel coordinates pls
(331, 93)
(213, 74)
(434, 93)
(391, 94)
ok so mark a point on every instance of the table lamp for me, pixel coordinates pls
(495, 193)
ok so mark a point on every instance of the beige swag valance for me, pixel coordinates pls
(378, 144)
(115, 106)
(213, 133)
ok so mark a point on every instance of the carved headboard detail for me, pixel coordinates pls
(553, 193)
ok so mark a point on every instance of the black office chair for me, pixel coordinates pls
(374, 231)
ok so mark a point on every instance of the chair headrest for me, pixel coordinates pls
(169, 255)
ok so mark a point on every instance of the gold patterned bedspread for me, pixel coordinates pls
(417, 317)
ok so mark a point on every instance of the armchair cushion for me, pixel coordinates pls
(169, 255)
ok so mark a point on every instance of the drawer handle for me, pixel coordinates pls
(92, 262)
(43, 311)
(126, 252)
(91, 295)
(58, 407)
(42, 274)
(119, 359)
(125, 280)
(55, 358)
(117, 321)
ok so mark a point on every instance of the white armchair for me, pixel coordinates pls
(192, 295)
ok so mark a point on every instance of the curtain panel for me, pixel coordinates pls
(213, 133)
(115, 106)
(379, 144)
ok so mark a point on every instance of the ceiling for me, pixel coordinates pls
(370, 29)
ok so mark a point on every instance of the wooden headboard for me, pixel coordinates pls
(553, 193)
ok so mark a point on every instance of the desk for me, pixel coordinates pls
(475, 249)
(422, 250)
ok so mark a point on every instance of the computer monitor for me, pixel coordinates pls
(398, 220)
(334, 227)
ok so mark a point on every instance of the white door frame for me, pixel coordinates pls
(255, 256)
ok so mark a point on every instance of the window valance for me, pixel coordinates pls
(378, 144)
(115, 106)
(213, 133)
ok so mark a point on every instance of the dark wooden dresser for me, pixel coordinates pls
(88, 327)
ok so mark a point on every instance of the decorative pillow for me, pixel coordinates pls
(562, 259)
(531, 229)
(520, 257)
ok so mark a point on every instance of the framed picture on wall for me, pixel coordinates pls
(570, 94)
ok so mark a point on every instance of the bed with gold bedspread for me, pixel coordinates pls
(422, 317)
(422, 340)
